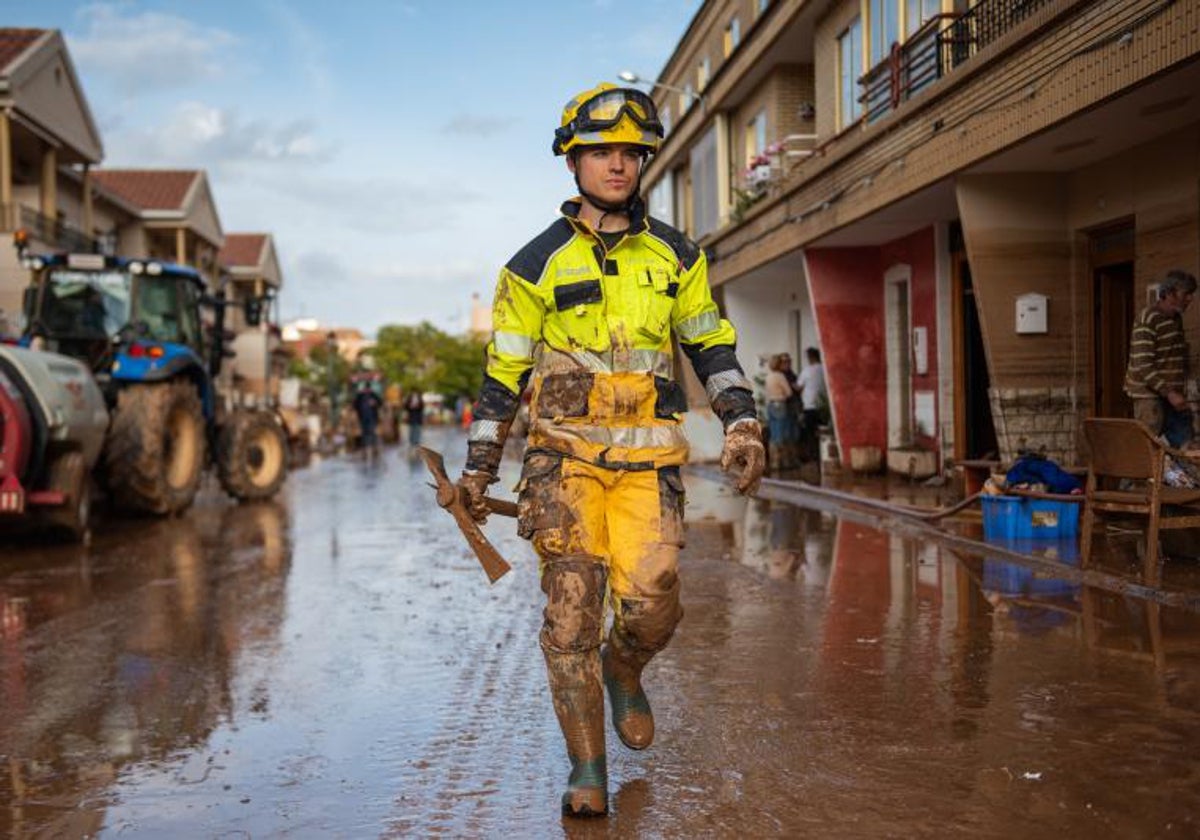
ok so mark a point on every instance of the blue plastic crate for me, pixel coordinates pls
(1021, 517)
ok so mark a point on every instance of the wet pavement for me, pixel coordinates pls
(335, 665)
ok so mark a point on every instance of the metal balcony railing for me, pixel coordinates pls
(942, 44)
(57, 234)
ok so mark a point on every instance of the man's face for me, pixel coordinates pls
(1179, 300)
(608, 172)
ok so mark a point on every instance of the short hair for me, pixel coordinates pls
(1179, 279)
(813, 354)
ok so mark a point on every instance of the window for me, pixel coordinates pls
(850, 69)
(664, 116)
(920, 11)
(703, 165)
(756, 135)
(883, 27)
(686, 98)
(702, 73)
(662, 199)
(733, 36)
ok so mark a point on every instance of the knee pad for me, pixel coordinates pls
(647, 624)
(573, 620)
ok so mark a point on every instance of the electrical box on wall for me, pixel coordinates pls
(1031, 313)
(920, 346)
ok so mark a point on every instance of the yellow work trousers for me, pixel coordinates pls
(603, 534)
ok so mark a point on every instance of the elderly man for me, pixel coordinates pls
(1158, 358)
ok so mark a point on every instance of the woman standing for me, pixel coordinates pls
(782, 423)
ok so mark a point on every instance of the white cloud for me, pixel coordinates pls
(196, 134)
(144, 50)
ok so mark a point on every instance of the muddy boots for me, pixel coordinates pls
(622, 668)
(579, 705)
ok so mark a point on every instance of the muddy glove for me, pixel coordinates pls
(473, 486)
(744, 455)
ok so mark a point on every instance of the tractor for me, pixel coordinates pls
(140, 325)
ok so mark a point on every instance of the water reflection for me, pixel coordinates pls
(126, 651)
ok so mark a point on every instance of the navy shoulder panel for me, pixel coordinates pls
(530, 261)
(684, 248)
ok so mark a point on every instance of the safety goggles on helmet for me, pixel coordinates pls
(603, 112)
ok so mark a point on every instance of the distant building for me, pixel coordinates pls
(480, 323)
(252, 265)
(301, 336)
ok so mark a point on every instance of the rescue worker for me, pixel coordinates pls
(585, 315)
(1158, 353)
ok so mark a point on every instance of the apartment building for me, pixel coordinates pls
(963, 205)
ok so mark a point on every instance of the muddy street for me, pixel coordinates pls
(335, 664)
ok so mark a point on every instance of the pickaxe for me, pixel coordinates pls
(449, 497)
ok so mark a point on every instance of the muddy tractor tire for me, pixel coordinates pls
(154, 457)
(252, 456)
(69, 475)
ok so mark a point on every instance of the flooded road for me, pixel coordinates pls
(336, 665)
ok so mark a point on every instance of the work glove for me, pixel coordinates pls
(744, 455)
(473, 485)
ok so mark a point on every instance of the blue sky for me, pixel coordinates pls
(398, 151)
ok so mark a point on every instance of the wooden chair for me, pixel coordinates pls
(1125, 449)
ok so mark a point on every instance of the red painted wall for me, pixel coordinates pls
(847, 298)
(846, 286)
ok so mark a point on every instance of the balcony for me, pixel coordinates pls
(941, 45)
(54, 234)
(766, 173)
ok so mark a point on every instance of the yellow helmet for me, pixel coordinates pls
(609, 114)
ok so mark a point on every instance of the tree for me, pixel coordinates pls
(424, 358)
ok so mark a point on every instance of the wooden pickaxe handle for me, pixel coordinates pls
(449, 497)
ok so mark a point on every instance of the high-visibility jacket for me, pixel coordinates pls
(590, 329)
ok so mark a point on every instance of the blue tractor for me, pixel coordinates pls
(155, 340)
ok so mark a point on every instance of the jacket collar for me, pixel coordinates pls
(637, 214)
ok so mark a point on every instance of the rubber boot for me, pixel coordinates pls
(631, 715)
(579, 705)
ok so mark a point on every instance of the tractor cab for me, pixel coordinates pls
(98, 309)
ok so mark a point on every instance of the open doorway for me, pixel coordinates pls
(898, 344)
(974, 430)
(1110, 260)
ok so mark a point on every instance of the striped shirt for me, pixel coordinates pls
(1158, 355)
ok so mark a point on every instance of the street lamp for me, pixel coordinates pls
(629, 77)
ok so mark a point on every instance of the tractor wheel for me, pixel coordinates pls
(69, 476)
(155, 452)
(252, 456)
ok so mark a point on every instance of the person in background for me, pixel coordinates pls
(783, 424)
(367, 405)
(814, 399)
(414, 416)
(1158, 356)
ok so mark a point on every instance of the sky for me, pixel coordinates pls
(399, 152)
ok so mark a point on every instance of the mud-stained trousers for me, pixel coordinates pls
(604, 536)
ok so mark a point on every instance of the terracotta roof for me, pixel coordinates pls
(13, 42)
(148, 189)
(242, 249)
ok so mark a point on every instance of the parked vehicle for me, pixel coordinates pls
(53, 421)
(154, 340)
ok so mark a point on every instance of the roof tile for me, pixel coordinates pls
(148, 189)
(242, 249)
(13, 42)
